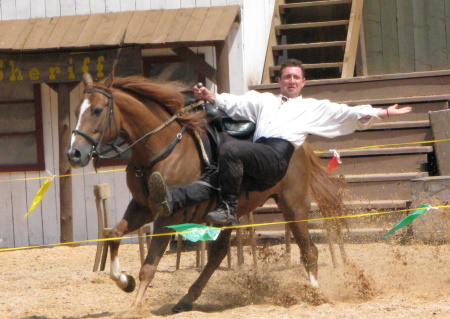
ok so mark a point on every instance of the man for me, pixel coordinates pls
(283, 122)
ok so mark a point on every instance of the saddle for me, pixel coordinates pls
(220, 129)
(240, 129)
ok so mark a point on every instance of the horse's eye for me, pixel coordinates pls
(97, 110)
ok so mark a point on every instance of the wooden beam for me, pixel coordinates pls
(65, 183)
(361, 61)
(270, 59)
(223, 67)
(198, 63)
(352, 39)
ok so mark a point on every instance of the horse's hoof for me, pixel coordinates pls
(182, 306)
(131, 284)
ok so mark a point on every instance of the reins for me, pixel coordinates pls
(95, 144)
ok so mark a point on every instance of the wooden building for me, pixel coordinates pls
(232, 44)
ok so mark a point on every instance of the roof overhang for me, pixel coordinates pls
(168, 28)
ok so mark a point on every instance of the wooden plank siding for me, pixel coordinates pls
(437, 34)
(407, 36)
(374, 45)
(389, 31)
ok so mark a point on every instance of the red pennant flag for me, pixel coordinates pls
(334, 162)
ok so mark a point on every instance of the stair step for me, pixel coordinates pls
(386, 163)
(295, 26)
(373, 139)
(401, 100)
(351, 205)
(275, 69)
(400, 125)
(298, 46)
(288, 6)
(384, 177)
(379, 151)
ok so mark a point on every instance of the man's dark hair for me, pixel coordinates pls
(292, 62)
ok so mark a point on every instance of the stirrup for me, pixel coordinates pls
(222, 216)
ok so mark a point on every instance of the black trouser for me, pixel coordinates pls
(242, 165)
(196, 192)
(255, 166)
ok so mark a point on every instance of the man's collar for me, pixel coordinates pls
(291, 98)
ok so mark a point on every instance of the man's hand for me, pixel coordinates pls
(203, 93)
(394, 110)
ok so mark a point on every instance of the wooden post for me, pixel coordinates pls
(439, 125)
(65, 183)
(223, 67)
(352, 39)
(252, 239)
(273, 40)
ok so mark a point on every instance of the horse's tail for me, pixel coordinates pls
(326, 188)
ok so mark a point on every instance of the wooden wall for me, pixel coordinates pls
(17, 190)
(407, 35)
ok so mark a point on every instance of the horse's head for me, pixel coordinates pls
(95, 118)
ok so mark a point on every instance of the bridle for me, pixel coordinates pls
(96, 144)
(96, 153)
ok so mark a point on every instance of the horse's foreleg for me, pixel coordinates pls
(300, 231)
(123, 281)
(217, 252)
(135, 216)
(147, 273)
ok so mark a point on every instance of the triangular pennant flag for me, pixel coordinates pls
(39, 195)
(334, 162)
(409, 219)
(196, 232)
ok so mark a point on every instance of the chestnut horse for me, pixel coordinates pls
(147, 116)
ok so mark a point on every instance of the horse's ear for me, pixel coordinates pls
(87, 80)
(108, 81)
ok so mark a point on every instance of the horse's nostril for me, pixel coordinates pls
(76, 154)
(73, 154)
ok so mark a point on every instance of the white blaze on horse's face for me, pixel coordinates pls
(83, 108)
(92, 119)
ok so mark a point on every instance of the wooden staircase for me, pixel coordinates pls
(323, 34)
(378, 164)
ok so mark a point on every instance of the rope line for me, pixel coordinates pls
(225, 227)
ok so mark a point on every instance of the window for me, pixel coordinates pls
(163, 68)
(172, 68)
(21, 139)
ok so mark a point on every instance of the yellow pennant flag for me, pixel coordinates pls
(39, 195)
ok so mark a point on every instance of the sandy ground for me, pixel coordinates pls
(382, 280)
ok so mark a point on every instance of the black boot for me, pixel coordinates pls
(225, 212)
(159, 194)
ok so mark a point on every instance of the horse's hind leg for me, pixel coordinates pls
(217, 252)
(300, 231)
(135, 216)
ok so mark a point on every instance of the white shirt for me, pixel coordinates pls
(294, 119)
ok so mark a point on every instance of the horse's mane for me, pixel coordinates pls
(168, 95)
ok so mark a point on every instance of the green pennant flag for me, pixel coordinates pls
(196, 232)
(409, 219)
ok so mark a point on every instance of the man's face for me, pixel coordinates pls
(291, 81)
